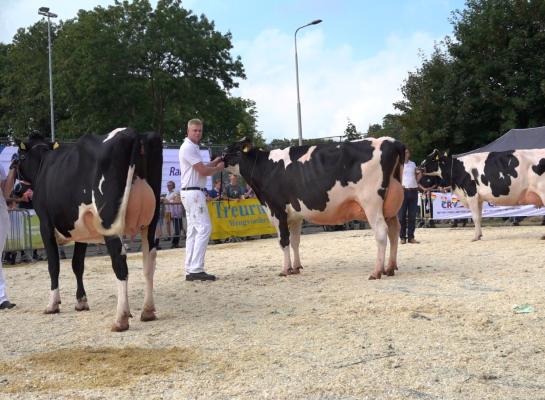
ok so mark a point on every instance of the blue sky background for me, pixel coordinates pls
(351, 66)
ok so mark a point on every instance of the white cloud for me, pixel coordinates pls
(335, 84)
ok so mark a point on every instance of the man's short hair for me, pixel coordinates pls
(194, 121)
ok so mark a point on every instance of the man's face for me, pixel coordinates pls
(170, 187)
(194, 133)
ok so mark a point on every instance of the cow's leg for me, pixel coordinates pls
(149, 257)
(119, 264)
(295, 238)
(378, 224)
(78, 266)
(281, 225)
(476, 207)
(52, 251)
(393, 236)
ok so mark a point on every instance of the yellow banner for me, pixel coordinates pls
(238, 218)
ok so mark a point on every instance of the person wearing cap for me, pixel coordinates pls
(193, 173)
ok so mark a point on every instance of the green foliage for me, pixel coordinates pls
(24, 81)
(129, 65)
(351, 133)
(486, 80)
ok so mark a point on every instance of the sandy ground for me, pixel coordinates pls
(443, 328)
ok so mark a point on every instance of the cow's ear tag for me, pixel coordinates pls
(56, 146)
(437, 157)
(446, 154)
(246, 148)
(22, 146)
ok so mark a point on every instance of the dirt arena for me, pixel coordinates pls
(443, 328)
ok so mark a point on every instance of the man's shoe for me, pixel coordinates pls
(403, 241)
(413, 241)
(200, 276)
(6, 305)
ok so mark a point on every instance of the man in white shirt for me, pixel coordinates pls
(6, 186)
(407, 212)
(193, 173)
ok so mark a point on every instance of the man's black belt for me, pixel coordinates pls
(411, 189)
(193, 188)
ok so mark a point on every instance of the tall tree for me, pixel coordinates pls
(351, 133)
(131, 65)
(487, 79)
(24, 81)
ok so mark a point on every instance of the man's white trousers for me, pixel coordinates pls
(198, 229)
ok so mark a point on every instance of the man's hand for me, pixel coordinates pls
(14, 161)
(220, 165)
(215, 161)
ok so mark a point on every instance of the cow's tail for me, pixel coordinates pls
(400, 153)
(151, 166)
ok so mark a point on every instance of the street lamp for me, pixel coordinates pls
(316, 21)
(45, 12)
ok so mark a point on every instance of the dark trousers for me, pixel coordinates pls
(407, 214)
(177, 222)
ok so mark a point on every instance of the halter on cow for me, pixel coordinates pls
(96, 190)
(327, 184)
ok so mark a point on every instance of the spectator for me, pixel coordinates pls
(176, 213)
(10, 257)
(233, 190)
(214, 193)
(6, 186)
(193, 173)
(407, 213)
(168, 208)
(249, 193)
(24, 193)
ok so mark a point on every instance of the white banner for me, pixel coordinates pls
(171, 168)
(171, 165)
(449, 206)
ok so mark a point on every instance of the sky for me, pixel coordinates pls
(351, 66)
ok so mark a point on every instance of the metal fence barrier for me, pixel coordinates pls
(20, 233)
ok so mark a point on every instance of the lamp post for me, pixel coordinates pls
(45, 12)
(316, 21)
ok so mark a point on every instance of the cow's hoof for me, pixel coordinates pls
(148, 316)
(120, 327)
(543, 237)
(289, 271)
(80, 306)
(52, 310)
(372, 277)
(390, 272)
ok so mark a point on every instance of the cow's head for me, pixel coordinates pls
(232, 154)
(31, 154)
(435, 163)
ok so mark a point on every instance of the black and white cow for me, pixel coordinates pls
(96, 190)
(327, 184)
(506, 178)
